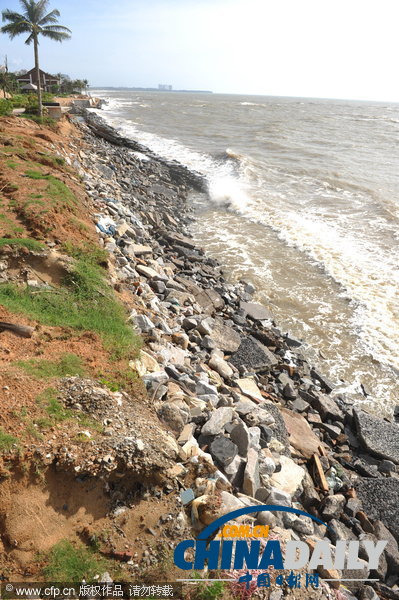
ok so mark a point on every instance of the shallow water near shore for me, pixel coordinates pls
(304, 202)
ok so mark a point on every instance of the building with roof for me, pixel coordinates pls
(29, 83)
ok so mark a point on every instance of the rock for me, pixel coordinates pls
(380, 498)
(249, 388)
(339, 531)
(241, 437)
(221, 366)
(254, 438)
(289, 479)
(328, 386)
(301, 436)
(257, 312)
(301, 524)
(387, 466)
(367, 593)
(208, 299)
(218, 420)
(253, 355)
(143, 323)
(244, 407)
(327, 408)
(229, 503)
(150, 273)
(289, 392)
(251, 474)
(333, 506)
(189, 323)
(278, 497)
(267, 465)
(225, 337)
(223, 450)
(235, 471)
(203, 388)
(265, 517)
(139, 250)
(259, 416)
(391, 550)
(353, 506)
(170, 414)
(378, 436)
(300, 405)
(279, 429)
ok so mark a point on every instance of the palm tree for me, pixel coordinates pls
(35, 22)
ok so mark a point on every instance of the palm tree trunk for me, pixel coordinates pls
(37, 68)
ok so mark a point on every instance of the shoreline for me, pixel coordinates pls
(233, 414)
(284, 383)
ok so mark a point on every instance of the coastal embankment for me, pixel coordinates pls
(126, 447)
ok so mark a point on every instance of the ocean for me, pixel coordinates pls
(304, 203)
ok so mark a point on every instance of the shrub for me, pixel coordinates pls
(5, 107)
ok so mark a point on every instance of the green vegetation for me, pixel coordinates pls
(57, 413)
(6, 441)
(11, 165)
(85, 302)
(36, 175)
(67, 364)
(34, 22)
(28, 243)
(69, 563)
(5, 107)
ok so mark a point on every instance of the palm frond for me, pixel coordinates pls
(51, 17)
(14, 29)
(55, 28)
(10, 15)
(56, 36)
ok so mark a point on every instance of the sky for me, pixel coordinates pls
(309, 48)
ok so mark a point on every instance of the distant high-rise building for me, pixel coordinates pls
(164, 87)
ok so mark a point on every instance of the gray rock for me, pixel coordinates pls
(277, 497)
(387, 466)
(378, 436)
(391, 550)
(257, 312)
(143, 323)
(223, 450)
(254, 438)
(235, 471)
(339, 531)
(301, 524)
(367, 593)
(265, 517)
(218, 420)
(380, 499)
(253, 355)
(251, 474)
(241, 437)
(300, 405)
(204, 388)
(333, 507)
(244, 407)
(289, 392)
(327, 408)
(225, 337)
(323, 380)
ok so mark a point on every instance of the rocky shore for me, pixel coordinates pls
(253, 422)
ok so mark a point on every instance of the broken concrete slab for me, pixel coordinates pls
(253, 355)
(378, 436)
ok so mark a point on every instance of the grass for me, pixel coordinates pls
(57, 413)
(7, 441)
(67, 364)
(70, 563)
(28, 243)
(84, 302)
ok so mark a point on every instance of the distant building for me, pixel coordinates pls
(164, 87)
(28, 81)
